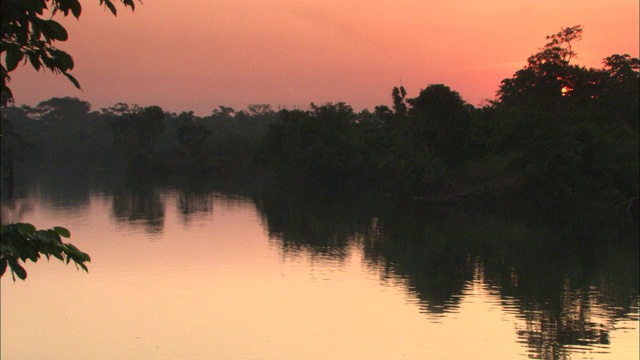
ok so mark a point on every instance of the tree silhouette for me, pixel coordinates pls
(443, 121)
(398, 96)
(573, 130)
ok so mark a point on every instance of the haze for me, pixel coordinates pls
(200, 54)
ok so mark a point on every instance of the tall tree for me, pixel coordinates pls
(398, 95)
(547, 75)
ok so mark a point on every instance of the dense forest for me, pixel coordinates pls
(555, 131)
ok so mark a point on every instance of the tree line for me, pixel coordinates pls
(554, 130)
(65, 130)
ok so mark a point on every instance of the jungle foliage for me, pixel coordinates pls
(555, 130)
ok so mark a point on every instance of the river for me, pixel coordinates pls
(191, 272)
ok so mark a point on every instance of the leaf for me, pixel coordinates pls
(58, 32)
(31, 255)
(76, 8)
(35, 61)
(64, 60)
(129, 3)
(14, 55)
(111, 7)
(49, 236)
(26, 228)
(18, 270)
(62, 231)
(73, 80)
(84, 267)
(3, 266)
(73, 250)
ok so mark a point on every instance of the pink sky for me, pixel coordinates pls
(200, 54)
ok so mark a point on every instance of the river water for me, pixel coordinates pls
(189, 272)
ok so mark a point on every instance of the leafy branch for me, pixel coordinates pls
(27, 36)
(20, 242)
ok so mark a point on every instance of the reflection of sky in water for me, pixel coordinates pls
(211, 283)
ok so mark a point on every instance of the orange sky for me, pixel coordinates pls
(199, 54)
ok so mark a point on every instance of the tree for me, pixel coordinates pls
(259, 109)
(29, 33)
(224, 112)
(564, 36)
(317, 148)
(548, 75)
(398, 96)
(572, 130)
(444, 121)
(59, 108)
(622, 86)
(192, 137)
(137, 133)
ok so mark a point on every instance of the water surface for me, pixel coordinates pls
(192, 273)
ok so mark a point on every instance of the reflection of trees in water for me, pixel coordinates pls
(140, 204)
(433, 270)
(436, 267)
(194, 203)
(574, 321)
(317, 226)
(569, 285)
(65, 188)
(140, 199)
(190, 202)
(569, 293)
(14, 210)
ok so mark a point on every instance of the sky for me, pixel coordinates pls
(200, 54)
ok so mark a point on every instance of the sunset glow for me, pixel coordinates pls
(200, 54)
